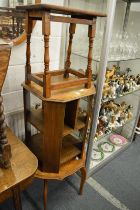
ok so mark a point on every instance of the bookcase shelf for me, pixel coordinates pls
(35, 117)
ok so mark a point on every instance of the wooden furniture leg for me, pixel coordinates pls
(29, 26)
(91, 35)
(17, 198)
(45, 193)
(68, 62)
(46, 76)
(83, 179)
(26, 97)
(5, 149)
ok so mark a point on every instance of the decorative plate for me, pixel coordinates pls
(117, 139)
(97, 155)
(106, 147)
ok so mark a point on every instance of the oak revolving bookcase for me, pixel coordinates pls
(60, 152)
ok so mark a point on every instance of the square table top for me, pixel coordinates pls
(61, 10)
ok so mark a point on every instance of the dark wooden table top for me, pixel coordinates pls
(61, 10)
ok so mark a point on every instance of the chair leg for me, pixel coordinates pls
(83, 179)
(45, 192)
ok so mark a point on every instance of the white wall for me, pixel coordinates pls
(12, 90)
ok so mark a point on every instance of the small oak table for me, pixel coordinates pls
(17, 177)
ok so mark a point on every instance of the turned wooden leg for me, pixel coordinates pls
(68, 62)
(17, 198)
(5, 148)
(91, 35)
(83, 179)
(45, 193)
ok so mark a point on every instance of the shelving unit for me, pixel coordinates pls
(59, 151)
(107, 155)
(99, 65)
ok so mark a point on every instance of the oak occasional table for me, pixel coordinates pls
(23, 167)
(59, 150)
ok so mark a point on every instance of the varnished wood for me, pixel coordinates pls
(36, 79)
(62, 95)
(65, 170)
(29, 24)
(71, 20)
(5, 51)
(66, 84)
(36, 118)
(19, 162)
(83, 179)
(71, 113)
(59, 152)
(61, 10)
(45, 193)
(91, 35)
(46, 32)
(17, 198)
(26, 97)
(68, 62)
(54, 114)
(76, 73)
(53, 73)
(5, 149)
(70, 149)
(23, 167)
(44, 13)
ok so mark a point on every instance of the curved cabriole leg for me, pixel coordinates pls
(5, 149)
(83, 179)
(45, 193)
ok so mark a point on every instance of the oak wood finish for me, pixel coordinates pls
(62, 95)
(61, 10)
(52, 138)
(59, 152)
(23, 167)
(70, 149)
(35, 117)
(68, 62)
(71, 113)
(5, 149)
(91, 35)
(44, 13)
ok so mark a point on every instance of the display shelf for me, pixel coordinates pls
(94, 164)
(114, 130)
(119, 51)
(98, 60)
(125, 94)
(35, 117)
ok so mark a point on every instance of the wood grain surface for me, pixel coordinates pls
(5, 52)
(23, 164)
(61, 10)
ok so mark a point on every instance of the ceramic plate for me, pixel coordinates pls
(106, 147)
(97, 155)
(117, 139)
